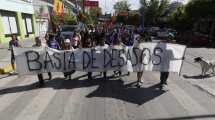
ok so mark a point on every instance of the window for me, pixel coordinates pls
(23, 21)
(6, 25)
(10, 25)
(13, 25)
(27, 23)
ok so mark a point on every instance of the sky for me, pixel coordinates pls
(107, 5)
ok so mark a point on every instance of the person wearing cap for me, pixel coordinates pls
(68, 46)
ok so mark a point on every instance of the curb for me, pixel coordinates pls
(6, 69)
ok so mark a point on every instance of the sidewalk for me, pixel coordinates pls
(5, 54)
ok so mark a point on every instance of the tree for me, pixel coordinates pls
(94, 12)
(179, 20)
(69, 18)
(121, 6)
(122, 9)
(134, 18)
(202, 11)
(154, 10)
(85, 18)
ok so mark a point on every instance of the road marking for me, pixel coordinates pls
(187, 101)
(72, 109)
(38, 104)
(6, 80)
(9, 98)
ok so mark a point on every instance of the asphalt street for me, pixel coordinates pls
(189, 96)
(116, 99)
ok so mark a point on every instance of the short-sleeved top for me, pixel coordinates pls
(13, 43)
(53, 44)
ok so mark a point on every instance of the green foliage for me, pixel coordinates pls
(154, 10)
(93, 14)
(85, 18)
(56, 20)
(121, 6)
(134, 19)
(179, 20)
(69, 18)
(201, 9)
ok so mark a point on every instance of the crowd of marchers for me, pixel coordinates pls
(93, 37)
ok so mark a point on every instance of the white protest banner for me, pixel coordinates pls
(146, 57)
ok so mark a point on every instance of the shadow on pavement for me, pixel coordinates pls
(198, 76)
(109, 88)
(126, 92)
(202, 117)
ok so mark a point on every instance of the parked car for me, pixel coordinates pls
(152, 30)
(165, 34)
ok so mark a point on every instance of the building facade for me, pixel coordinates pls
(17, 17)
(44, 9)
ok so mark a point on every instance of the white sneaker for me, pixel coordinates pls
(164, 87)
(139, 84)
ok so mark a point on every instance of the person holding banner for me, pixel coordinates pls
(138, 44)
(68, 46)
(52, 43)
(166, 63)
(87, 43)
(101, 45)
(117, 44)
(38, 43)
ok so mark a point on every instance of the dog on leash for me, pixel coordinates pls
(205, 65)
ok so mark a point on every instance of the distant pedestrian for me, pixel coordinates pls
(14, 42)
